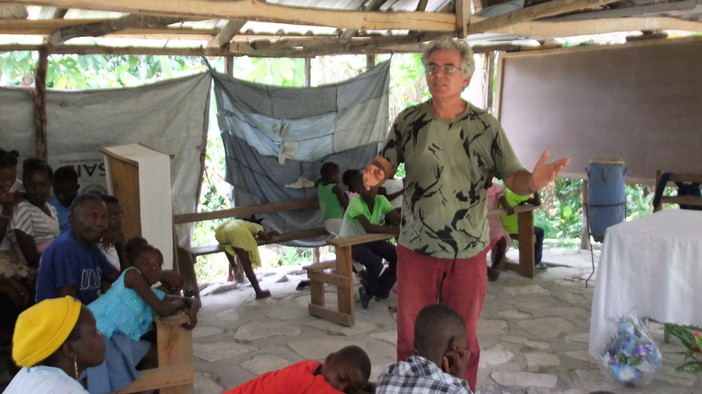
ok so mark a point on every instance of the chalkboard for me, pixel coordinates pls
(641, 102)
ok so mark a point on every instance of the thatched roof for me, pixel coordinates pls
(306, 28)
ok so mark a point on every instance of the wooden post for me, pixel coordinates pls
(229, 65)
(41, 149)
(489, 74)
(526, 244)
(584, 223)
(315, 255)
(370, 61)
(462, 18)
(308, 71)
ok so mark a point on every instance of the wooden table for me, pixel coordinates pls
(176, 371)
(341, 278)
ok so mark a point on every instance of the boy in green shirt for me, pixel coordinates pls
(363, 215)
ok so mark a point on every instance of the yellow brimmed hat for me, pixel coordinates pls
(43, 328)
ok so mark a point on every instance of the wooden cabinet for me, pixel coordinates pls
(140, 178)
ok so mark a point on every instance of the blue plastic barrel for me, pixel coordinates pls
(606, 198)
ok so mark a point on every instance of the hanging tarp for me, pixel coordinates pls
(170, 117)
(277, 138)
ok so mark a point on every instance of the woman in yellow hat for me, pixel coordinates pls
(54, 341)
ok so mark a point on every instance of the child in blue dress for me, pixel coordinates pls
(125, 313)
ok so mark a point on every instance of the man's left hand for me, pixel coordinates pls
(544, 173)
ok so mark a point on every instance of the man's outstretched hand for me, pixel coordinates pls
(544, 173)
(373, 176)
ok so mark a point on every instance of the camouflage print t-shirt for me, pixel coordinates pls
(447, 163)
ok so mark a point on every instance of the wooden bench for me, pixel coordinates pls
(341, 278)
(525, 215)
(186, 257)
(176, 371)
(680, 200)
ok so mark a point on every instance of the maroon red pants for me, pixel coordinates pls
(458, 283)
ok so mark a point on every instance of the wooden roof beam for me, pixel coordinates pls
(59, 13)
(599, 26)
(227, 33)
(551, 8)
(332, 46)
(237, 49)
(107, 50)
(373, 6)
(104, 28)
(463, 16)
(262, 12)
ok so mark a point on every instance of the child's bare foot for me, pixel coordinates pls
(238, 277)
(263, 294)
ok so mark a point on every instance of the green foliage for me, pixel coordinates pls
(17, 68)
(407, 85)
(692, 341)
(281, 72)
(561, 211)
(95, 71)
(295, 256)
(639, 200)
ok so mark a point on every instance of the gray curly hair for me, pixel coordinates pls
(462, 47)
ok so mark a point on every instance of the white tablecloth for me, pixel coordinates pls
(652, 266)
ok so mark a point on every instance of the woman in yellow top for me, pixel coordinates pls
(238, 238)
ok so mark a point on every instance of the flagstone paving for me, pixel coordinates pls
(533, 334)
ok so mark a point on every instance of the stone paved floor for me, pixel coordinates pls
(533, 334)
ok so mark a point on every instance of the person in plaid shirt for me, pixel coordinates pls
(439, 359)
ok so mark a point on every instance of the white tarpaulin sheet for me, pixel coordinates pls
(170, 117)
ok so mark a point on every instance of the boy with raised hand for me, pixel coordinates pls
(344, 371)
(439, 360)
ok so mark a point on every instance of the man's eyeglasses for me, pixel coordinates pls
(446, 68)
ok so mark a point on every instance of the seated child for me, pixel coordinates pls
(346, 370)
(238, 237)
(332, 201)
(511, 224)
(125, 313)
(66, 188)
(393, 188)
(362, 216)
(500, 240)
(439, 360)
(349, 179)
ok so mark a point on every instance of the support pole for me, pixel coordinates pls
(229, 65)
(308, 72)
(41, 149)
(370, 61)
(585, 224)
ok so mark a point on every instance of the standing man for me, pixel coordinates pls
(449, 148)
(73, 264)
